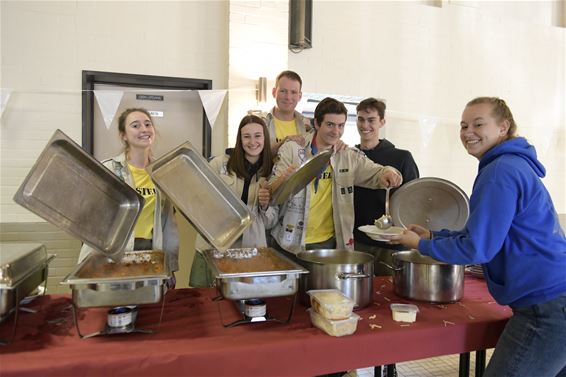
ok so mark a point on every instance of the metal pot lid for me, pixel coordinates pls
(335, 256)
(431, 202)
(301, 177)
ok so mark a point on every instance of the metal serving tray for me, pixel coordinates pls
(301, 177)
(23, 267)
(70, 189)
(431, 202)
(237, 283)
(201, 195)
(94, 284)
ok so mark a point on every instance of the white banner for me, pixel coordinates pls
(108, 102)
(5, 94)
(427, 126)
(212, 101)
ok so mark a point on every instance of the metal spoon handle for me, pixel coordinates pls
(387, 201)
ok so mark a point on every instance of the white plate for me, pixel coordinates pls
(377, 234)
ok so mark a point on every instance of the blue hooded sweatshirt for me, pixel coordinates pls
(513, 229)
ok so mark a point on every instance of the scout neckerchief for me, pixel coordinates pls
(314, 151)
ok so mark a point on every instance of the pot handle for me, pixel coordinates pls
(391, 267)
(351, 275)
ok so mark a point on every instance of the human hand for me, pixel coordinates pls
(340, 146)
(263, 195)
(408, 239)
(390, 178)
(422, 232)
(297, 139)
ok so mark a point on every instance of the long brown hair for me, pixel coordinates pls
(236, 162)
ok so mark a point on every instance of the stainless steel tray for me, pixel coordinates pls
(301, 177)
(23, 267)
(434, 203)
(201, 195)
(94, 284)
(70, 189)
(239, 282)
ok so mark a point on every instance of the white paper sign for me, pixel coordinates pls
(108, 102)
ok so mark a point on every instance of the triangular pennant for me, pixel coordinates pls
(5, 94)
(212, 102)
(108, 102)
(427, 126)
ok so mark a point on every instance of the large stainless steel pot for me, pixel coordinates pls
(346, 270)
(422, 278)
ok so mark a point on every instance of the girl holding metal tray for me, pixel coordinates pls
(156, 228)
(244, 169)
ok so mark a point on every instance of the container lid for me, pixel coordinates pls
(17, 260)
(201, 195)
(301, 177)
(75, 192)
(431, 202)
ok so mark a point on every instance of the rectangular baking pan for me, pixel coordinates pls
(133, 288)
(261, 283)
(201, 195)
(23, 267)
(72, 190)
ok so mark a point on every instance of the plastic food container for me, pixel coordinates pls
(331, 303)
(404, 312)
(338, 327)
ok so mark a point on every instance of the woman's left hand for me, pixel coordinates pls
(263, 195)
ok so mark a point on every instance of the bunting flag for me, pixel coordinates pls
(212, 101)
(5, 94)
(427, 126)
(108, 102)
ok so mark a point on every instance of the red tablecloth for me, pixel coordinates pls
(192, 340)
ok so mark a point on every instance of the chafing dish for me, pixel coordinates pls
(201, 195)
(266, 274)
(70, 189)
(23, 267)
(139, 278)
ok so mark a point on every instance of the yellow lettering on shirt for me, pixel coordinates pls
(284, 128)
(320, 226)
(146, 188)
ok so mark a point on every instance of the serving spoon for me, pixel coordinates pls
(385, 221)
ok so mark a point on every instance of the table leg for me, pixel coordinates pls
(464, 369)
(391, 370)
(480, 363)
(377, 371)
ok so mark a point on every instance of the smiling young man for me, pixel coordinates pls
(283, 121)
(369, 204)
(322, 214)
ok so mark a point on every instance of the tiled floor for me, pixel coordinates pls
(445, 366)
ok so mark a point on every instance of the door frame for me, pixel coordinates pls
(91, 78)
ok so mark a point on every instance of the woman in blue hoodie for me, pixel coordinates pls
(513, 231)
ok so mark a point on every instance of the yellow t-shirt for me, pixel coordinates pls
(284, 128)
(320, 226)
(146, 188)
